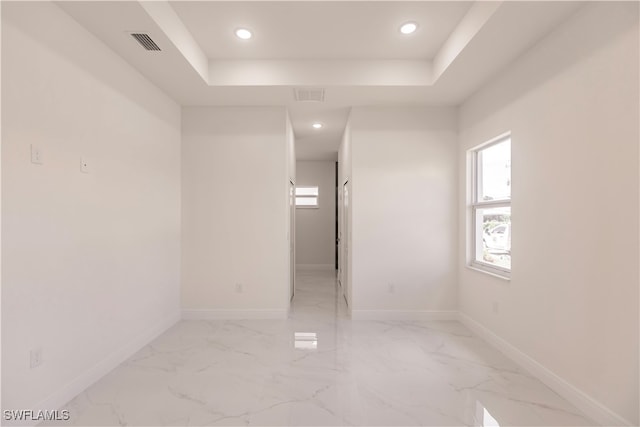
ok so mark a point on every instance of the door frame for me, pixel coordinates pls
(344, 240)
(292, 239)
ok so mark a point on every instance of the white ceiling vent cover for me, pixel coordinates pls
(146, 41)
(309, 94)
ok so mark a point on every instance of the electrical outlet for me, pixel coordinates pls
(496, 307)
(239, 288)
(392, 288)
(36, 155)
(85, 165)
(35, 358)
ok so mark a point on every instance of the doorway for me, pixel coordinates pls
(344, 242)
(337, 232)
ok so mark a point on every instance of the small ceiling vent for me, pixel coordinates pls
(145, 41)
(309, 94)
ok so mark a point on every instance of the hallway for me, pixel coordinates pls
(320, 368)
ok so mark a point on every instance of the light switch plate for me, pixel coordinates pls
(36, 155)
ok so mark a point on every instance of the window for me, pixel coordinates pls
(307, 197)
(491, 206)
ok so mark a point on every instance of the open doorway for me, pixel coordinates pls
(343, 239)
(316, 207)
(337, 236)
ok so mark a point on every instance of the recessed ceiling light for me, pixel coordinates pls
(408, 28)
(243, 33)
(317, 125)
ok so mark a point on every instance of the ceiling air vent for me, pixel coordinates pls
(309, 94)
(145, 41)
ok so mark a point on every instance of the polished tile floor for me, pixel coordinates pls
(320, 368)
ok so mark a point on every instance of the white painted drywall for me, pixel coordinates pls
(571, 104)
(314, 72)
(90, 261)
(404, 216)
(291, 150)
(316, 228)
(166, 18)
(0, 199)
(235, 211)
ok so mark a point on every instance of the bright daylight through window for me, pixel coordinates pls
(491, 206)
(307, 197)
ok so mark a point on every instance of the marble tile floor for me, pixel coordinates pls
(318, 367)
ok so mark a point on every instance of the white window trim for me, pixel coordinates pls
(296, 196)
(474, 264)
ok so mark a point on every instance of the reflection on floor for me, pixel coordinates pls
(320, 368)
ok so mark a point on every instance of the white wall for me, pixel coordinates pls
(571, 104)
(404, 216)
(0, 202)
(235, 211)
(90, 261)
(291, 150)
(315, 228)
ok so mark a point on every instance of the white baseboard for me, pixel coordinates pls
(190, 314)
(304, 267)
(588, 405)
(70, 390)
(403, 315)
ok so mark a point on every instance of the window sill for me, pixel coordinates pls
(505, 276)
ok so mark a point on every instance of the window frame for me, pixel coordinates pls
(297, 196)
(475, 205)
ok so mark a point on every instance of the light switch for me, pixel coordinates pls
(36, 155)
